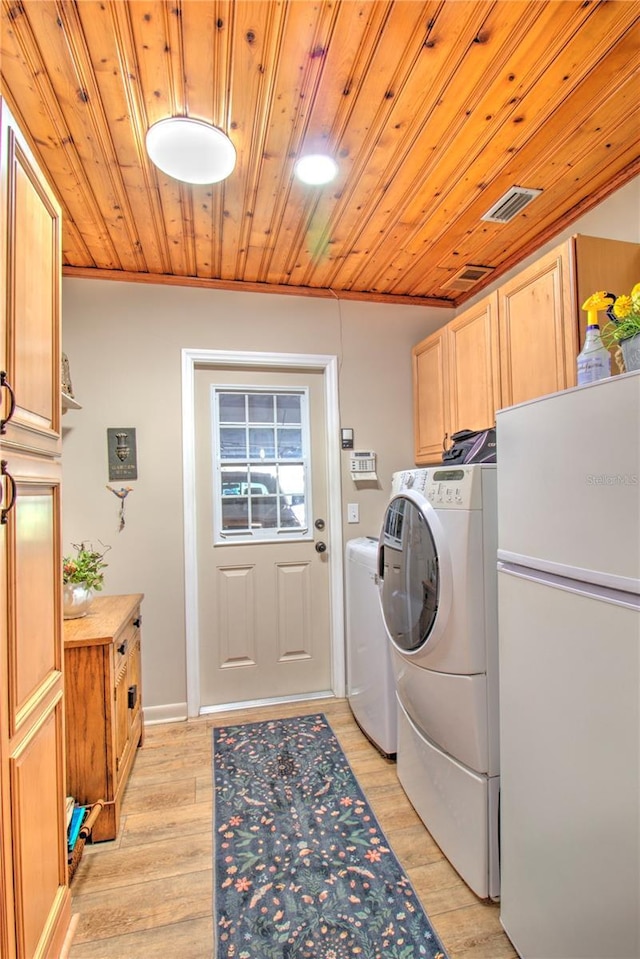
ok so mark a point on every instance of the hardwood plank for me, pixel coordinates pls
(439, 888)
(473, 932)
(188, 940)
(159, 902)
(413, 845)
(146, 827)
(134, 865)
(161, 796)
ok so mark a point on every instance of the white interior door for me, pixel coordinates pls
(263, 588)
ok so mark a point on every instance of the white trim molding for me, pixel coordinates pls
(328, 365)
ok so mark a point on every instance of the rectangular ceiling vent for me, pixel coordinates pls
(468, 276)
(510, 204)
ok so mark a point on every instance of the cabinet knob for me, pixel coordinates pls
(122, 648)
(137, 622)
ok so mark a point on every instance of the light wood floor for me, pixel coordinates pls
(148, 894)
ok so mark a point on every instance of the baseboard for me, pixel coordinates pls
(169, 713)
(177, 712)
(276, 701)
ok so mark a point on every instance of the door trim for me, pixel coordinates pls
(328, 365)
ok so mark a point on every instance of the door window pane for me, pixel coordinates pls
(260, 408)
(289, 444)
(233, 444)
(262, 444)
(232, 408)
(262, 466)
(288, 408)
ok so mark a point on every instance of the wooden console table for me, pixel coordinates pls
(104, 721)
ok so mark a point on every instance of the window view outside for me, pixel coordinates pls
(261, 462)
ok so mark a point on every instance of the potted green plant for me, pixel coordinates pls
(82, 576)
(624, 327)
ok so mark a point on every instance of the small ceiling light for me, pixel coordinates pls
(316, 169)
(191, 150)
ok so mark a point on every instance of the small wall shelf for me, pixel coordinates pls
(68, 403)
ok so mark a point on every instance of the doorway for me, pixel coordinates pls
(242, 569)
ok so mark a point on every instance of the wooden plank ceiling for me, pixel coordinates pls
(433, 110)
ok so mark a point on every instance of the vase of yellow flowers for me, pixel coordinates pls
(82, 576)
(623, 327)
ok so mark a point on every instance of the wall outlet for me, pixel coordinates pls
(353, 513)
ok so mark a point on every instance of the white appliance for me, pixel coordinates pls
(569, 625)
(437, 572)
(370, 688)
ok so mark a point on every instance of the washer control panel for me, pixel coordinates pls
(451, 488)
(444, 487)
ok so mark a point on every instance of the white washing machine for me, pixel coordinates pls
(370, 684)
(437, 577)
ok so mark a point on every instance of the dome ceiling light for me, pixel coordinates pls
(316, 169)
(190, 150)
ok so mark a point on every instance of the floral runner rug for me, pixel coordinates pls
(302, 869)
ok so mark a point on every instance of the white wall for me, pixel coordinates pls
(124, 343)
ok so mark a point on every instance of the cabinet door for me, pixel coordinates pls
(430, 397)
(602, 264)
(474, 366)
(31, 714)
(30, 266)
(538, 330)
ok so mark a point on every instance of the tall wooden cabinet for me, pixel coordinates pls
(519, 342)
(35, 899)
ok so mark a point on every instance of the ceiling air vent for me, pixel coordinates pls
(510, 204)
(468, 276)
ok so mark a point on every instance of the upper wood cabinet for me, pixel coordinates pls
(538, 330)
(519, 342)
(611, 265)
(35, 904)
(31, 254)
(431, 396)
(474, 375)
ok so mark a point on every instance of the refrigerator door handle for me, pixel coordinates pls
(602, 593)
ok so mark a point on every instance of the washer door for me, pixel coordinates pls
(414, 571)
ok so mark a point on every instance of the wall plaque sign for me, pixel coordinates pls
(123, 457)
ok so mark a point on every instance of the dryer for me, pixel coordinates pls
(370, 685)
(438, 586)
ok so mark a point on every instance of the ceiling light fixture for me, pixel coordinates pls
(316, 169)
(191, 150)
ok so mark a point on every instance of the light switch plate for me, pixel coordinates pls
(353, 513)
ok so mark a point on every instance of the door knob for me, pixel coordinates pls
(321, 547)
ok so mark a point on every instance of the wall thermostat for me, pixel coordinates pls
(346, 438)
(363, 465)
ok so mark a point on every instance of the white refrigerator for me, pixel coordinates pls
(569, 651)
